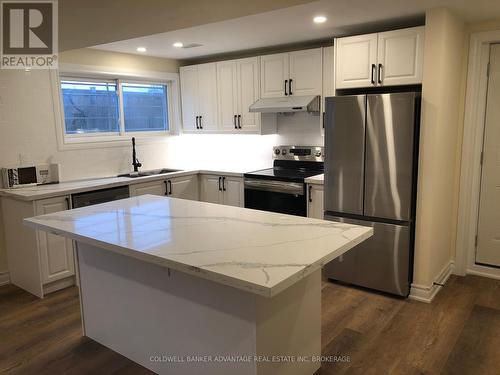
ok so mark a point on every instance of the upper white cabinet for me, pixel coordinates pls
(356, 61)
(294, 73)
(199, 97)
(248, 76)
(306, 72)
(383, 59)
(237, 89)
(274, 73)
(328, 80)
(400, 56)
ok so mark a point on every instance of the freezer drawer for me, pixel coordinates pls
(382, 262)
(345, 153)
(390, 128)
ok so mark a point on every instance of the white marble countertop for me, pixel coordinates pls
(316, 180)
(257, 251)
(71, 187)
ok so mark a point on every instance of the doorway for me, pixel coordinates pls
(488, 225)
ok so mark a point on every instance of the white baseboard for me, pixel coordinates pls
(4, 278)
(425, 293)
(491, 272)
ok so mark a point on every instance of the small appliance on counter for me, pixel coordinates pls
(42, 174)
(282, 188)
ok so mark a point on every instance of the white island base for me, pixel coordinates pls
(175, 323)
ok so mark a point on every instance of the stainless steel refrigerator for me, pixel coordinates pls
(371, 152)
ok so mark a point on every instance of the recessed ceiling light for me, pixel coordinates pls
(141, 49)
(178, 45)
(319, 19)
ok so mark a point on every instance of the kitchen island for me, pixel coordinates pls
(186, 287)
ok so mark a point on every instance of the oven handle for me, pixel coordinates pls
(293, 188)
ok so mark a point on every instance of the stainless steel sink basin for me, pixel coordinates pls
(148, 173)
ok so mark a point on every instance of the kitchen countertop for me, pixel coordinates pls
(316, 180)
(30, 193)
(257, 251)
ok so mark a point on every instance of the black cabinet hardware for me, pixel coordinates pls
(201, 126)
(67, 203)
(310, 194)
(379, 73)
(169, 187)
(166, 187)
(286, 83)
(324, 113)
(290, 87)
(373, 73)
(197, 126)
(220, 178)
(239, 121)
(223, 183)
(234, 120)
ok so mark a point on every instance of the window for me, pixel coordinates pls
(90, 107)
(145, 107)
(94, 107)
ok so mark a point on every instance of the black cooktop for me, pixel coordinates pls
(286, 170)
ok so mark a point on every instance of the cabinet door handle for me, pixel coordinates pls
(310, 195)
(373, 73)
(324, 113)
(169, 187)
(223, 183)
(380, 73)
(286, 83)
(196, 122)
(166, 187)
(220, 178)
(234, 120)
(290, 87)
(239, 121)
(201, 118)
(67, 203)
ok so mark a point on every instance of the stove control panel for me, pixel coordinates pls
(299, 153)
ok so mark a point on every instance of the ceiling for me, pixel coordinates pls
(294, 25)
(85, 23)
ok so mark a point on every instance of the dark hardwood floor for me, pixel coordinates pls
(459, 333)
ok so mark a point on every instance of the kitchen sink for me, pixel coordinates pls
(148, 173)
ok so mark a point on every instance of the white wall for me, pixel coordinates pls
(437, 199)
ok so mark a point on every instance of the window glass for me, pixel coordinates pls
(145, 107)
(90, 107)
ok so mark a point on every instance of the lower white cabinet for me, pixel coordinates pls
(185, 187)
(56, 252)
(315, 201)
(38, 262)
(219, 189)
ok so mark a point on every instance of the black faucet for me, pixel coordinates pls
(135, 161)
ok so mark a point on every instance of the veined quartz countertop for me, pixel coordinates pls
(316, 180)
(30, 193)
(257, 251)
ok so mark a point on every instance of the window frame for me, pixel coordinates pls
(96, 140)
(96, 134)
(121, 114)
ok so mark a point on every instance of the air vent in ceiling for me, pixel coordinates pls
(192, 45)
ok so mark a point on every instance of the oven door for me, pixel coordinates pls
(276, 196)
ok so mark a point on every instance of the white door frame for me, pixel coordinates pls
(472, 145)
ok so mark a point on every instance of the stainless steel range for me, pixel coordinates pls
(282, 188)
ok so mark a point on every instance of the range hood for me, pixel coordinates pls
(286, 104)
